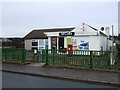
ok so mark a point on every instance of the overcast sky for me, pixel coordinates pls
(19, 18)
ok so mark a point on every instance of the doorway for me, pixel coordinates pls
(61, 43)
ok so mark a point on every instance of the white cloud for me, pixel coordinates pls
(20, 18)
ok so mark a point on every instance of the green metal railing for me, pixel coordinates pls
(20, 55)
(101, 59)
(14, 54)
(34, 58)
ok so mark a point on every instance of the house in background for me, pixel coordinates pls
(117, 41)
(36, 39)
(12, 42)
(82, 37)
(5, 43)
(17, 42)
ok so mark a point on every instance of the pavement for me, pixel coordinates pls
(82, 75)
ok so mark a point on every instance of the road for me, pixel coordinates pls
(13, 80)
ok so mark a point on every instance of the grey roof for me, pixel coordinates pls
(39, 34)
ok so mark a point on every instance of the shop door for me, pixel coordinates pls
(61, 42)
(54, 43)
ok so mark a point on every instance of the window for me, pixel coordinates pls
(33, 48)
(41, 42)
(34, 43)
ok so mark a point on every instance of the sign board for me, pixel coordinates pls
(74, 42)
(66, 34)
(69, 41)
(84, 46)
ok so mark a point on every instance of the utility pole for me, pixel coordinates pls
(112, 60)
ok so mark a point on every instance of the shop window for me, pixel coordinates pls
(34, 43)
(41, 42)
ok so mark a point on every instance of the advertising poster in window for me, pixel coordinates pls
(54, 40)
(84, 46)
(69, 41)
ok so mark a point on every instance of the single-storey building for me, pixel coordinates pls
(36, 39)
(82, 37)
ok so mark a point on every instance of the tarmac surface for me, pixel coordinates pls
(30, 81)
(102, 77)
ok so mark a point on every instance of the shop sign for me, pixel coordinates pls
(66, 34)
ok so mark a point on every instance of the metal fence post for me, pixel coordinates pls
(46, 56)
(37, 57)
(23, 56)
(53, 53)
(43, 55)
(91, 59)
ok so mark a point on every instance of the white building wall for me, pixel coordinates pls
(80, 40)
(106, 43)
(94, 42)
(107, 48)
(103, 41)
(109, 44)
(49, 42)
(28, 44)
(65, 42)
(57, 43)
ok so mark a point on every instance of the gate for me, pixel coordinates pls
(32, 57)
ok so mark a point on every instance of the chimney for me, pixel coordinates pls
(107, 31)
